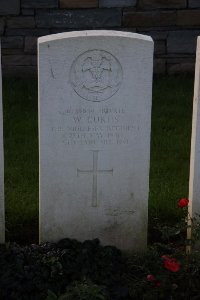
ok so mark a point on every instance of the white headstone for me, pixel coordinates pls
(194, 186)
(2, 213)
(95, 90)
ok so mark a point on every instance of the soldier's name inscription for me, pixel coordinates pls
(90, 126)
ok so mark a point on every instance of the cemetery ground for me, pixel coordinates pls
(110, 275)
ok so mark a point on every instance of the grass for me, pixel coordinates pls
(21, 160)
(170, 145)
(170, 149)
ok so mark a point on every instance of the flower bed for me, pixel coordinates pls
(88, 271)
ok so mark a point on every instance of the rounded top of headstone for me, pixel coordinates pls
(94, 33)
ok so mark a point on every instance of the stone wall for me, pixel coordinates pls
(173, 24)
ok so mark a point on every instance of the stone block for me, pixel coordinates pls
(12, 42)
(10, 51)
(30, 44)
(188, 17)
(178, 66)
(28, 11)
(39, 3)
(156, 35)
(159, 66)
(117, 3)
(27, 32)
(160, 47)
(155, 4)
(76, 19)
(145, 19)
(78, 3)
(194, 4)
(21, 22)
(34, 60)
(16, 60)
(9, 7)
(2, 26)
(182, 42)
(19, 72)
(158, 29)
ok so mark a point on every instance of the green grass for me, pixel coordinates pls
(170, 145)
(170, 150)
(21, 160)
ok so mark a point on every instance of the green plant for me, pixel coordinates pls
(85, 290)
(71, 270)
(172, 273)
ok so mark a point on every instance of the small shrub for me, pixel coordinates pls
(85, 290)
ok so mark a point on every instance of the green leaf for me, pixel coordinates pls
(51, 296)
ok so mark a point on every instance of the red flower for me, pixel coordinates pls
(183, 202)
(165, 257)
(158, 283)
(151, 278)
(171, 264)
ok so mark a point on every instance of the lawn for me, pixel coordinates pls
(170, 151)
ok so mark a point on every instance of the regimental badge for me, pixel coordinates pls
(96, 75)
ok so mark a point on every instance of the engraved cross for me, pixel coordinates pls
(95, 173)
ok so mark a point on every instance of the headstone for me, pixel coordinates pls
(95, 90)
(2, 214)
(194, 185)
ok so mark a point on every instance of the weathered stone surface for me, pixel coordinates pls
(19, 71)
(79, 18)
(117, 3)
(143, 19)
(28, 12)
(78, 3)
(160, 47)
(155, 4)
(194, 187)
(95, 114)
(30, 44)
(188, 17)
(159, 66)
(21, 22)
(17, 60)
(9, 7)
(194, 3)
(39, 3)
(28, 32)
(2, 205)
(12, 42)
(182, 41)
(2, 25)
(60, 30)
